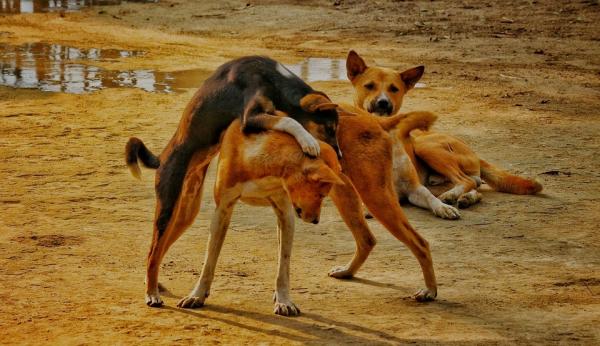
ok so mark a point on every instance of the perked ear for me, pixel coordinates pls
(355, 65)
(325, 174)
(411, 76)
(315, 102)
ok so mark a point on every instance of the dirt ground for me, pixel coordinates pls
(519, 81)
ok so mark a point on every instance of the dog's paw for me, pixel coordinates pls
(153, 300)
(285, 307)
(425, 295)
(446, 211)
(191, 302)
(341, 273)
(468, 199)
(448, 197)
(310, 146)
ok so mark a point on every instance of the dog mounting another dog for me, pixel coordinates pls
(421, 153)
(246, 89)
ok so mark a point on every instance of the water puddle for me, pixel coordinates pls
(320, 69)
(59, 68)
(37, 6)
(56, 68)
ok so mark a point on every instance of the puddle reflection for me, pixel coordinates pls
(320, 69)
(54, 68)
(59, 68)
(35, 6)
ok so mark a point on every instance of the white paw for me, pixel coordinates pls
(191, 302)
(425, 295)
(153, 300)
(285, 307)
(309, 145)
(446, 211)
(340, 273)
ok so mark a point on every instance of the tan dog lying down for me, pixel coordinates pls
(419, 153)
(266, 169)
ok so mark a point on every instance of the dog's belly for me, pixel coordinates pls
(257, 192)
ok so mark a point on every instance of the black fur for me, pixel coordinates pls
(135, 149)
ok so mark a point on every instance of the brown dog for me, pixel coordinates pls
(381, 91)
(264, 169)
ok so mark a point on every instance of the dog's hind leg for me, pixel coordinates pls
(349, 205)
(454, 160)
(387, 210)
(218, 230)
(181, 216)
(285, 234)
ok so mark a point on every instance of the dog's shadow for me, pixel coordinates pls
(309, 327)
(312, 328)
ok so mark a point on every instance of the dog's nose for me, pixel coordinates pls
(315, 221)
(298, 211)
(383, 103)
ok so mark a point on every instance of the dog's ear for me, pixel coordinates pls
(324, 174)
(315, 102)
(355, 65)
(411, 76)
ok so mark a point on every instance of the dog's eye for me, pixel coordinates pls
(370, 86)
(393, 89)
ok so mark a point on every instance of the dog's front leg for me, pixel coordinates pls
(258, 116)
(422, 197)
(218, 230)
(285, 233)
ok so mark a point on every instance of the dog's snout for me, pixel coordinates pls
(299, 211)
(383, 103)
(382, 106)
(315, 221)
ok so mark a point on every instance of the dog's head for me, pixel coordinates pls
(320, 118)
(308, 186)
(379, 90)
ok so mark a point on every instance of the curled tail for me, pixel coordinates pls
(503, 181)
(134, 150)
(407, 122)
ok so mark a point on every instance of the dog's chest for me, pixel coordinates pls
(257, 192)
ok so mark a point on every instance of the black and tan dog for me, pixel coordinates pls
(240, 89)
(420, 153)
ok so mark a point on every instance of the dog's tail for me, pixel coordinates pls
(134, 150)
(408, 122)
(503, 181)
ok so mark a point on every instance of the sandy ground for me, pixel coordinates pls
(75, 226)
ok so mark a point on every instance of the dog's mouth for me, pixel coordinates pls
(380, 111)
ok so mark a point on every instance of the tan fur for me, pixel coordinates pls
(445, 154)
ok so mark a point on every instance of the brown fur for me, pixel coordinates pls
(367, 168)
